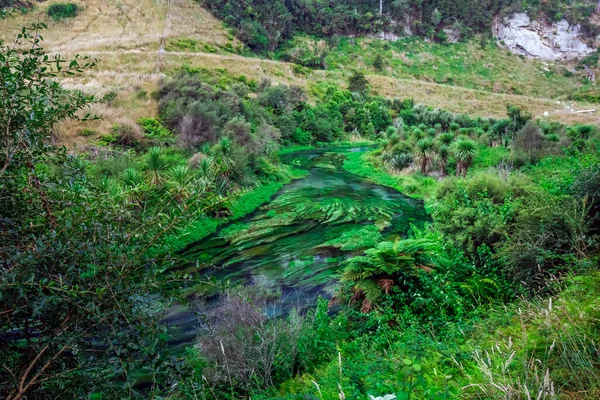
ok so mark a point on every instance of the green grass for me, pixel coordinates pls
(556, 174)
(416, 186)
(475, 64)
(490, 156)
(190, 45)
(320, 145)
(511, 347)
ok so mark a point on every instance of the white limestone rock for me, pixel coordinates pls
(557, 41)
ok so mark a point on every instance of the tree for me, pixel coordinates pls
(424, 151)
(500, 132)
(155, 165)
(464, 152)
(443, 153)
(436, 17)
(179, 180)
(446, 138)
(358, 83)
(77, 284)
(518, 119)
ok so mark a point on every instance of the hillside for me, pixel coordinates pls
(136, 42)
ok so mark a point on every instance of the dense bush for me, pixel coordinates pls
(265, 25)
(549, 234)
(60, 11)
(587, 188)
(474, 214)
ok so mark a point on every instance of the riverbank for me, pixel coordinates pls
(240, 206)
(416, 186)
(250, 200)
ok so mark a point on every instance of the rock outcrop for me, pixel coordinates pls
(557, 41)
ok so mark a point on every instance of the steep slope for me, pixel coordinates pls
(121, 25)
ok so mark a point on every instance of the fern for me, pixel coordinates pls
(389, 262)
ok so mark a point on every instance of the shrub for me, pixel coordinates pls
(126, 134)
(401, 161)
(358, 83)
(62, 11)
(109, 98)
(378, 62)
(301, 137)
(86, 132)
(549, 234)
(473, 213)
(301, 70)
(441, 37)
(531, 142)
(154, 129)
(587, 188)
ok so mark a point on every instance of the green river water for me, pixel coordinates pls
(291, 249)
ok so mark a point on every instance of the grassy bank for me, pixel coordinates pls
(333, 145)
(417, 186)
(240, 206)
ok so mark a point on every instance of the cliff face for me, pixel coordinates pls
(557, 41)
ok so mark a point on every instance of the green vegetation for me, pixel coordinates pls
(305, 273)
(266, 25)
(14, 4)
(58, 11)
(415, 185)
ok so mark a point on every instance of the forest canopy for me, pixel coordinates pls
(264, 25)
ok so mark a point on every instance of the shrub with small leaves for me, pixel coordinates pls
(62, 11)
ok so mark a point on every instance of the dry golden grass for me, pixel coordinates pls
(482, 103)
(133, 102)
(121, 25)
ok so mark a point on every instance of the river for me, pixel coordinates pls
(290, 250)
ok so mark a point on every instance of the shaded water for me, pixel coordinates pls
(291, 249)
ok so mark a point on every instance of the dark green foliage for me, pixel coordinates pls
(77, 290)
(587, 188)
(358, 83)
(198, 109)
(378, 62)
(401, 161)
(265, 25)
(281, 99)
(15, 4)
(83, 243)
(388, 264)
(325, 124)
(518, 118)
(473, 214)
(549, 234)
(60, 11)
(531, 143)
(306, 53)
(203, 114)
